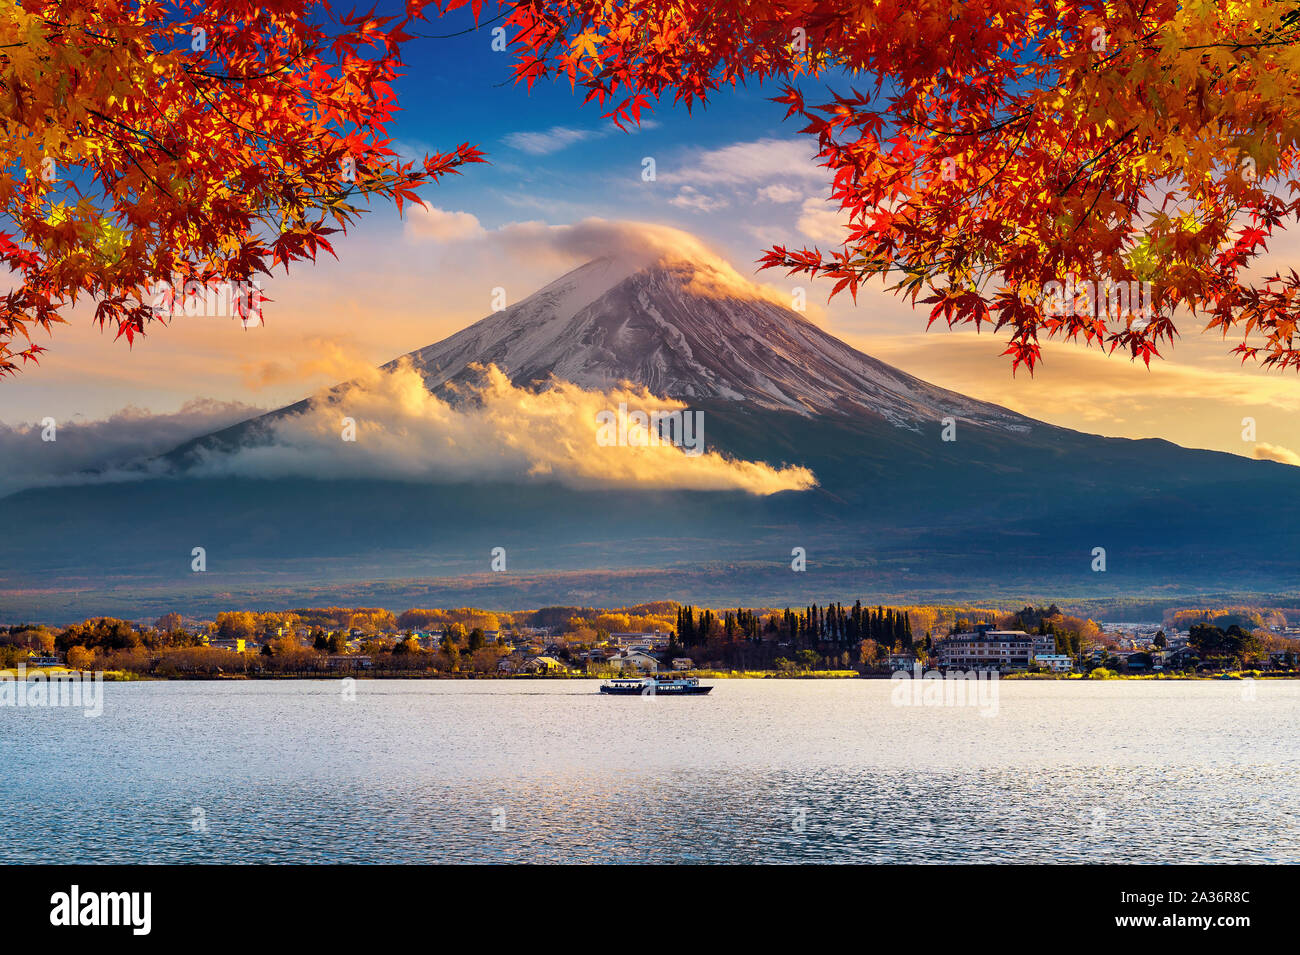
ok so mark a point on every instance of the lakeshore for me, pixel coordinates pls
(830, 642)
(127, 676)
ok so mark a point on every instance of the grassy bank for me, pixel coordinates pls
(110, 676)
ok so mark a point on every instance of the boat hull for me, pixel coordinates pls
(656, 691)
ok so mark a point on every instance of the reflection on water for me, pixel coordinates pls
(759, 771)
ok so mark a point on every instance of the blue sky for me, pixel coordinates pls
(555, 158)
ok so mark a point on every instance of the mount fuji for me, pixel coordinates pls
(1012, 506)
(685, 329)
(693, 332)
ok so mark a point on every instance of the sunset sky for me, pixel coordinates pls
(735, 175)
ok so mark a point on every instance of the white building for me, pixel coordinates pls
(1056, 662)
(657, 640)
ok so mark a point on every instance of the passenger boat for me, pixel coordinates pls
(654, 686)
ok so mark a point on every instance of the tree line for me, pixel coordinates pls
(832, 636)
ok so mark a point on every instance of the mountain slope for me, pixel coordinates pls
(688, 330)
(694, 331)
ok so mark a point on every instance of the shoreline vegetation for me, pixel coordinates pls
(834, 641)
(128, 676)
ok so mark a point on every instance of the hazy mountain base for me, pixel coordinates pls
(716, 585)
(900, 516)
(292, 543)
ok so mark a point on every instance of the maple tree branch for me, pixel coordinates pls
(194, 71)
(478, 26)
(134, 132)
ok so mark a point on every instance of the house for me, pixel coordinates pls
(544, 665)
(1177, 659)
(1283, 659)
(1137, 661)
(349, 662)
(683, 663)
(634, 660)
(428, 639)
(901, 661)
(228, 643)
(41, 661)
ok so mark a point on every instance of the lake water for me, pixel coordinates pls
(759, 771)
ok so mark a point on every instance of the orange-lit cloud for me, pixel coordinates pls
(320, 357)
(1272, 452)
(404, 431)
(1195, 397)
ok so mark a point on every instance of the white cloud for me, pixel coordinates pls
(549, 141)
(106, 446)
(820, 221)
(689, 198)
(769, 170)
(778, 192)
(404, 431)
(536, 248)
(545, 142)
(762, 160)
(439, 225)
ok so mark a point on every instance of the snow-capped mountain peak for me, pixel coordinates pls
(693, 331)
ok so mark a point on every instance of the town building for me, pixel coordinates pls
(1136, 661)
(656, 640)
(544, 664)
(986, 649)
(901, 661)
(1044, 644)
(1179, 658)
(634, 660)
(348, 661)
(1056, 662)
